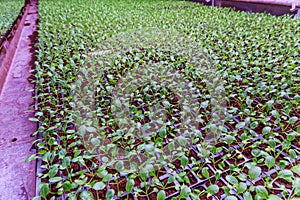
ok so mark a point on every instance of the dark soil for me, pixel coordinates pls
(247, 153)
(259, 182)
(192, 179)
(287, 184)
(118, 186)
(236, 160)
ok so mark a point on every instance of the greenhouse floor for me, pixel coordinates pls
(17, 178)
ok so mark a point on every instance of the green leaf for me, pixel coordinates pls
(51, 141)
(255, 152)
(242, 176)
(240, 125)
(296, 169)
(228, 139)
(107, 177)
(226, 190)
(53, 171)
(254, 173)
(44, 190)
(161, 195)
(292, 153)
(129, 185)
(241, 187)
(182, 141)
(171, 146)
(72, 196)
(247, 196)
(266, 130)
(55, 179)
(272, 143)
(283, 163)
(144, 174)
(213, 189)
(91, 129)
(163, 132)
(67, 186)
(99, 186)
(120, 166)
(95, 141)
(184, 161)
(194, 196)
(171, 179)
(110, 194)
(293, 120)
(270, 161)
(286, 174)
(34, 119)
(102, 173)
(31, 158)
(261, 192)
(253, 125)
(205, 172)
(231, 179)
(231, 198)
(86, 195)
(185, 192)
(296, 186)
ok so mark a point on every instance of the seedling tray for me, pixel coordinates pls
(261, 136)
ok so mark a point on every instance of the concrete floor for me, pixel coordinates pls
(17, 178)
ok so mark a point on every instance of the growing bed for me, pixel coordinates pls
(256, 55)
(9, 10)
